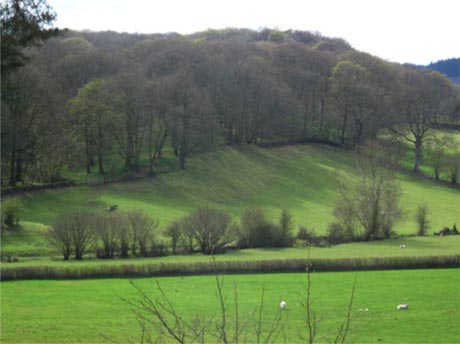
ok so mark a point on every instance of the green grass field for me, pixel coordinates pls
(298, 178)
(415, 247)
(88, 310)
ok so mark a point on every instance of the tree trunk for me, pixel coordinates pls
(183, 152)
(344, 127)
(12, 181)
(101, 163)
(19, 177)
(88, 154)
(418, 154)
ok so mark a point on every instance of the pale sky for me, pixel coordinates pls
(413, 31)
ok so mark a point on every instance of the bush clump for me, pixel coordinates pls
(11, 211)
(256, 231)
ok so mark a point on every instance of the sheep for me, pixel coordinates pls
(402, 246)
(403, 306)
(283, 304)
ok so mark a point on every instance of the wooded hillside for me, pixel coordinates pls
(86, 98)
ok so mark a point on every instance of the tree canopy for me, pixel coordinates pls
(122, 102)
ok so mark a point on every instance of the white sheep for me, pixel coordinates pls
(402, 246)
(283, 304)
(403, 306)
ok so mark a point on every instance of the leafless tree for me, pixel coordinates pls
(208, 227)
(73, 232)
(371, 200)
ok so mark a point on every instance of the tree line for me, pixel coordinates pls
(104, 102)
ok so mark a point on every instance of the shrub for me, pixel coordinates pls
(338, 234)
(158, 249)
(255, 230)
(309, 236)
(11, 210)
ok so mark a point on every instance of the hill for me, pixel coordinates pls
(449, 67)
(300, 178)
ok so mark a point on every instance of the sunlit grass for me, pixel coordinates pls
(88, 310)
(298, 178)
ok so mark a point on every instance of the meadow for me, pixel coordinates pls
(302, 179)
(97, 311)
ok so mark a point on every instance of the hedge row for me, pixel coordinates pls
(225, 267)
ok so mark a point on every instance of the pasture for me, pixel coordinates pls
(301, 179)
(95, 310)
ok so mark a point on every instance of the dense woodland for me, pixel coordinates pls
(116, 103)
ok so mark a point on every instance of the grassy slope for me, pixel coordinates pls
(299, 178)
(71, 311)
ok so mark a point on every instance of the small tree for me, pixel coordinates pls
(106, 231)
(120, 223)
(142, 229)
(435, 153)
(81, 227)
(286, 224)
(73, 232)
(371, 201)
(208, 227)
(422, 219)
(60, 236)
(173, 231)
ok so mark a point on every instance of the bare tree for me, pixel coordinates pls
(73, 232)
(60, 237)
(371, 200)
(173, 231)
(142, 229)
(208, 227)
(160, 320)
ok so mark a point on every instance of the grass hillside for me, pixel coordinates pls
(298, 178)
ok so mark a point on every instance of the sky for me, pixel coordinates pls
(404, 31)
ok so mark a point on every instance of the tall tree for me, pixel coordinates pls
(24, 23)
(131, 85)
(94, 112)
(22, 121)
(423, 96)
(351, 88)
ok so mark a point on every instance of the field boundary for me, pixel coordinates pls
(225, 267)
